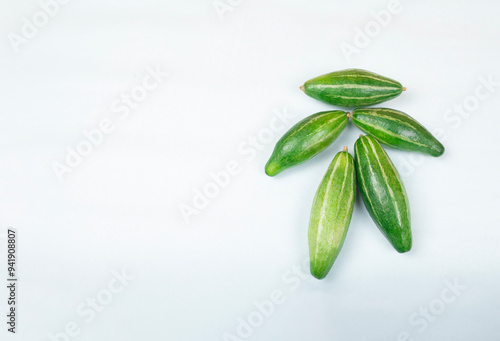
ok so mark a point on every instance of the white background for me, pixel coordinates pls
(119, 209)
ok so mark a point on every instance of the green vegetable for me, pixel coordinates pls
(352, 88)
(306, 139)
(397, 129)
(331, 213)
(383, 192)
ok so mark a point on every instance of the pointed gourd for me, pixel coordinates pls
(352, 88)
(331, 214)
(397, 129)
(306, 139)
(383, 192)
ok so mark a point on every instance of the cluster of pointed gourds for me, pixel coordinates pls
(371, 170)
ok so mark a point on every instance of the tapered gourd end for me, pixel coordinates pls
(437, 150)
(272, 168)
(317, 273)
(302, 88)
(403, 248)
(404, 243)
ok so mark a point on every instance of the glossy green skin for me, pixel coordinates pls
(306, 139)
(383, 192)
(397, 129)
(352, 88)
(331, 214)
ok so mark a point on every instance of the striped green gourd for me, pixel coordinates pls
(331, 213)
(352, 88)
(306, 139)
(383, 192)
(397, 129)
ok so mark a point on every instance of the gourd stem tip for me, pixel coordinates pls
(345, 149)
(404, 88)
(301, 87)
